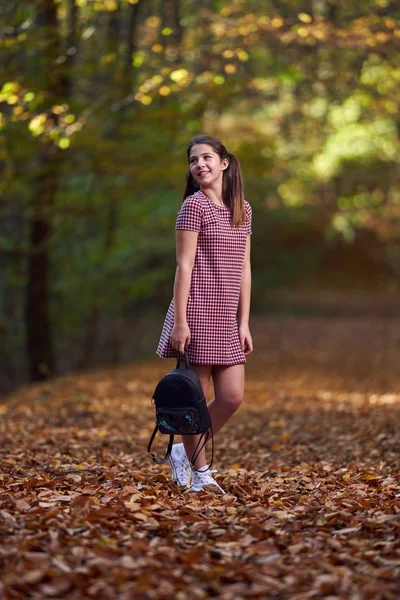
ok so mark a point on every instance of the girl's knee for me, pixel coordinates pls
(233, 401)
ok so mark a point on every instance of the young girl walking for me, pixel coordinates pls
(209, 314)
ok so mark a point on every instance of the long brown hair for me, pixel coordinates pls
(232, 183)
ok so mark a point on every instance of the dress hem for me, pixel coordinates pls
(213, 364)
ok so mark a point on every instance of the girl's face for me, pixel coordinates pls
(206, 166)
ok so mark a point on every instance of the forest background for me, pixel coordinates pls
(98, 101)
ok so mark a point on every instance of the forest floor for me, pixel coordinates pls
(310, 463)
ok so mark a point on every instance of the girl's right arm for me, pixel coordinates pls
(186, 244)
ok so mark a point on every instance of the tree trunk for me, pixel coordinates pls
(39, 334)
(130, 46)
(327, 9)
(170, 18)
(39, 338)
(124, 82)
(72, 46)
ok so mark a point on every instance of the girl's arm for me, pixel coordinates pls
(186, 244)
(244, 302)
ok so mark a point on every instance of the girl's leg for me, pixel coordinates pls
(228, 388)
(229, 392)
(190, 441)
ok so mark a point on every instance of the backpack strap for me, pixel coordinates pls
(178, 360)
(203, 439)
(160, 461)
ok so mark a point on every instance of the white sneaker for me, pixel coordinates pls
(181, 469)
(203, 480)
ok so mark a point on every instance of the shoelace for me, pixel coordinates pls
(185, 470)
(206, 476)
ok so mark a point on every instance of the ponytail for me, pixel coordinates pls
(232, 190)
(191, 185)
(232, 183)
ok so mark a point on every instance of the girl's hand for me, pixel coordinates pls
(246, 341)
(180, 337)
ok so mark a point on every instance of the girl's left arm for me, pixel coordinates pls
(244, 302)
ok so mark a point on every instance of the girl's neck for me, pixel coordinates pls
(214, 196)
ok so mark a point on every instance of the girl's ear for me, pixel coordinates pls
(224, 164)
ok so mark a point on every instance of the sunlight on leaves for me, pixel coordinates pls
(305, 18)
(37, 124)
(178, 75)
(64, 143)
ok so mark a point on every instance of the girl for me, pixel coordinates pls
(209, 313)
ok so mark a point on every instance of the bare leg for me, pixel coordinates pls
(190, 441)
(229, 392)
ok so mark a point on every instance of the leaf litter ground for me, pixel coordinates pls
(310, 464)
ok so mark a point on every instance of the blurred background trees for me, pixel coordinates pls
(98, 101)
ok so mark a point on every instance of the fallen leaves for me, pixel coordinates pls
(312, 509)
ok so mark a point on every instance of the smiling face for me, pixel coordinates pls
(206, 166)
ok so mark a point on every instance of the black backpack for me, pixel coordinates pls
(181, 409)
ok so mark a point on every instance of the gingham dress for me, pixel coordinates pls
(215, 286)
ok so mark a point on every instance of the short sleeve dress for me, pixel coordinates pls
(215, 286)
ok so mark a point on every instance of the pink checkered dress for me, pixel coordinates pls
(215, 287)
